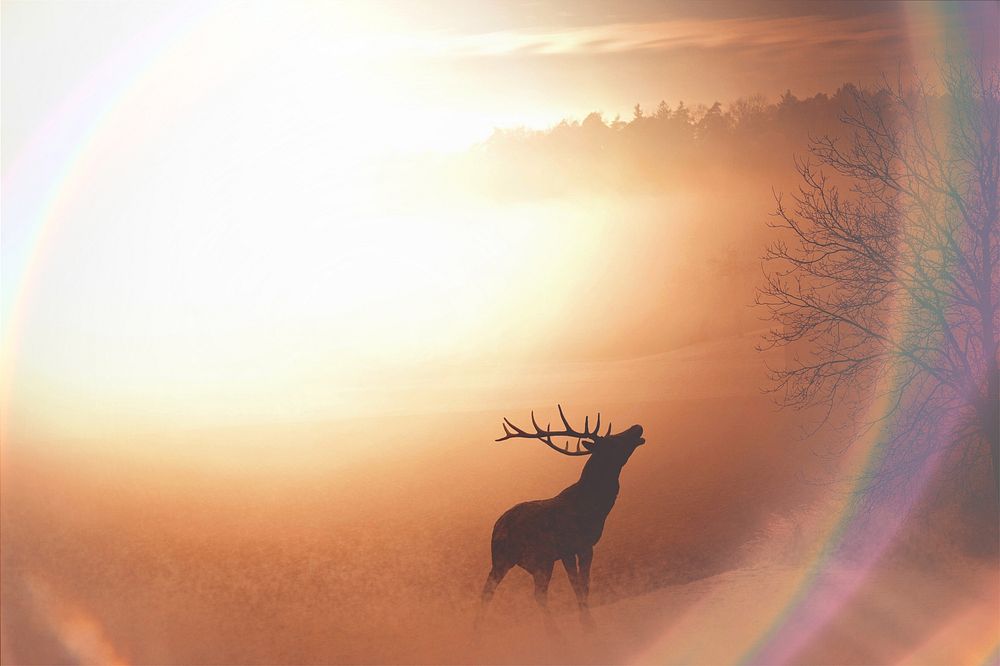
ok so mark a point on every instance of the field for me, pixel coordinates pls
(215, 548)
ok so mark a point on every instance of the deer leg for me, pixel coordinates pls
(569, 562)
(542, 576)
(585, 557)
(496, 575)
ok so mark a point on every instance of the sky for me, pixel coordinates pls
(194, 221)
(475, 66)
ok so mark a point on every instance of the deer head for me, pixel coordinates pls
(618, 446)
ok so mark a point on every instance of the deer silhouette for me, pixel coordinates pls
(533, 535)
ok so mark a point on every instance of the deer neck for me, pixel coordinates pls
(599, 485)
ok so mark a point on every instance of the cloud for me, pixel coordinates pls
(704, 33)
(664, 35)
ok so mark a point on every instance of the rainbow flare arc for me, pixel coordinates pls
(48, 172)
(854, 541)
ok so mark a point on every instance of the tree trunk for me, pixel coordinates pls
(992, 425)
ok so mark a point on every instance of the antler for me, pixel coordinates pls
(545, 435)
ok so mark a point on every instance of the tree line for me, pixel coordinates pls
(660, 149)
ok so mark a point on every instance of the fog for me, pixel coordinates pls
(183, 556)
(376, 559)
(223, 448)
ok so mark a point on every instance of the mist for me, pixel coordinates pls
(268, 306)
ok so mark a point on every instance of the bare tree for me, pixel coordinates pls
(886, 276)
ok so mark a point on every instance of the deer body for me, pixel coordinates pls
(550, 529)
(534, 535)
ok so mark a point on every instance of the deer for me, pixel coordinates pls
(533, 535)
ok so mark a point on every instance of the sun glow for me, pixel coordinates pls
(209, 227)
(273, 274)
(274, 315)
